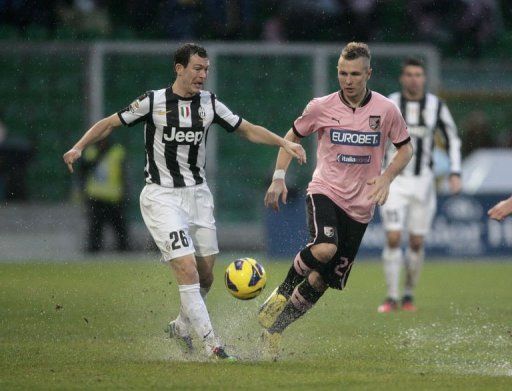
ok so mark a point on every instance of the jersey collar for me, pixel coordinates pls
(183, 98)
(364, 102)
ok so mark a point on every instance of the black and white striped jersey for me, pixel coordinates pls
(175, 133)
(423, 118)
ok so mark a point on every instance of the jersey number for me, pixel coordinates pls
(178, 239)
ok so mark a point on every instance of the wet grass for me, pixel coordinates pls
(99, 325)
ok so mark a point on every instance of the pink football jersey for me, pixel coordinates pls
(351, 146)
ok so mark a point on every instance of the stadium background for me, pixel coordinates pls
(97, 323)
(47, 56)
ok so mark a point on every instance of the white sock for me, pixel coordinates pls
(194, 309)
(413, 264)
(182, 323)
(393, 259)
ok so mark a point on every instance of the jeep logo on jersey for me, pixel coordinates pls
(182, 136)
(353, 137)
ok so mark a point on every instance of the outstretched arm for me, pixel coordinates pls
(97, 132)
(260, 135)
(278, 188)
(380, 191)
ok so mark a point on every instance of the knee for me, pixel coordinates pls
(324, 252)
(206, 281)
(185, 271)
(416, 243)
(394, 239)
(317, 282)
(189, 273)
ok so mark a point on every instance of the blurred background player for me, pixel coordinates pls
(501, 210)
(103, 171)
(412, 196)
(176, 203)
(352, 127)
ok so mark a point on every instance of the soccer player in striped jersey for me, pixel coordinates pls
(412, 196)
(176, 203)
(352, 127)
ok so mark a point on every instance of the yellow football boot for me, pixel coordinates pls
(271, 309)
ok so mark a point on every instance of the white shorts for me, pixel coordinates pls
(180, 220)
(411, 204)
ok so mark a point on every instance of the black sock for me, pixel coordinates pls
(303, 298)
(309, 259)
(290, 282)
(307, 263)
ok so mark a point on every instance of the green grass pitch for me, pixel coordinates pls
(100, 325)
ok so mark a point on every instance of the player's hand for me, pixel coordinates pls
(501, 210)
(380, 189)
(295, 150)
(276, 189)
(71, 156)
(455, 183)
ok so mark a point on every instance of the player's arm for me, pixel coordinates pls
(447, 126)
(97, 132)
(501, 210)
(401, 157)
(260, 135)
(277, 188)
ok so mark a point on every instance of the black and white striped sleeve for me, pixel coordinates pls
(447, 126)
(224, 116)
(137, 111)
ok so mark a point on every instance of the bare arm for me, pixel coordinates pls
(278, 188)
(381, 183)
(97, 132)
(501, 210)
(260, 135)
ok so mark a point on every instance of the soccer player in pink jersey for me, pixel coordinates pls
(352, 127)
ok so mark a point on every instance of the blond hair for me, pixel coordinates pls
(355, 50)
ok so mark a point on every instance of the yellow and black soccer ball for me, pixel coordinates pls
(245, 278)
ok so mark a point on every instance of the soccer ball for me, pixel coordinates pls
(245, 278)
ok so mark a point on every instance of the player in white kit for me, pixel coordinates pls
(176, 203)
(412, 196)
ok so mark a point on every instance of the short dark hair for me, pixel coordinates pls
(355, 50)
(413, 61)
(184, 52)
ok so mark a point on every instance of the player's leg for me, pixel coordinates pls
(322, 247)
(192, 304)
(95, 229)
(302, 299)
(167, 221)
(203, 232)
(393, 214)
(204, 235)
(205, 270)
(414, 257)
(351, 232)
(392, 258)
(420, 221)
(333, 274)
